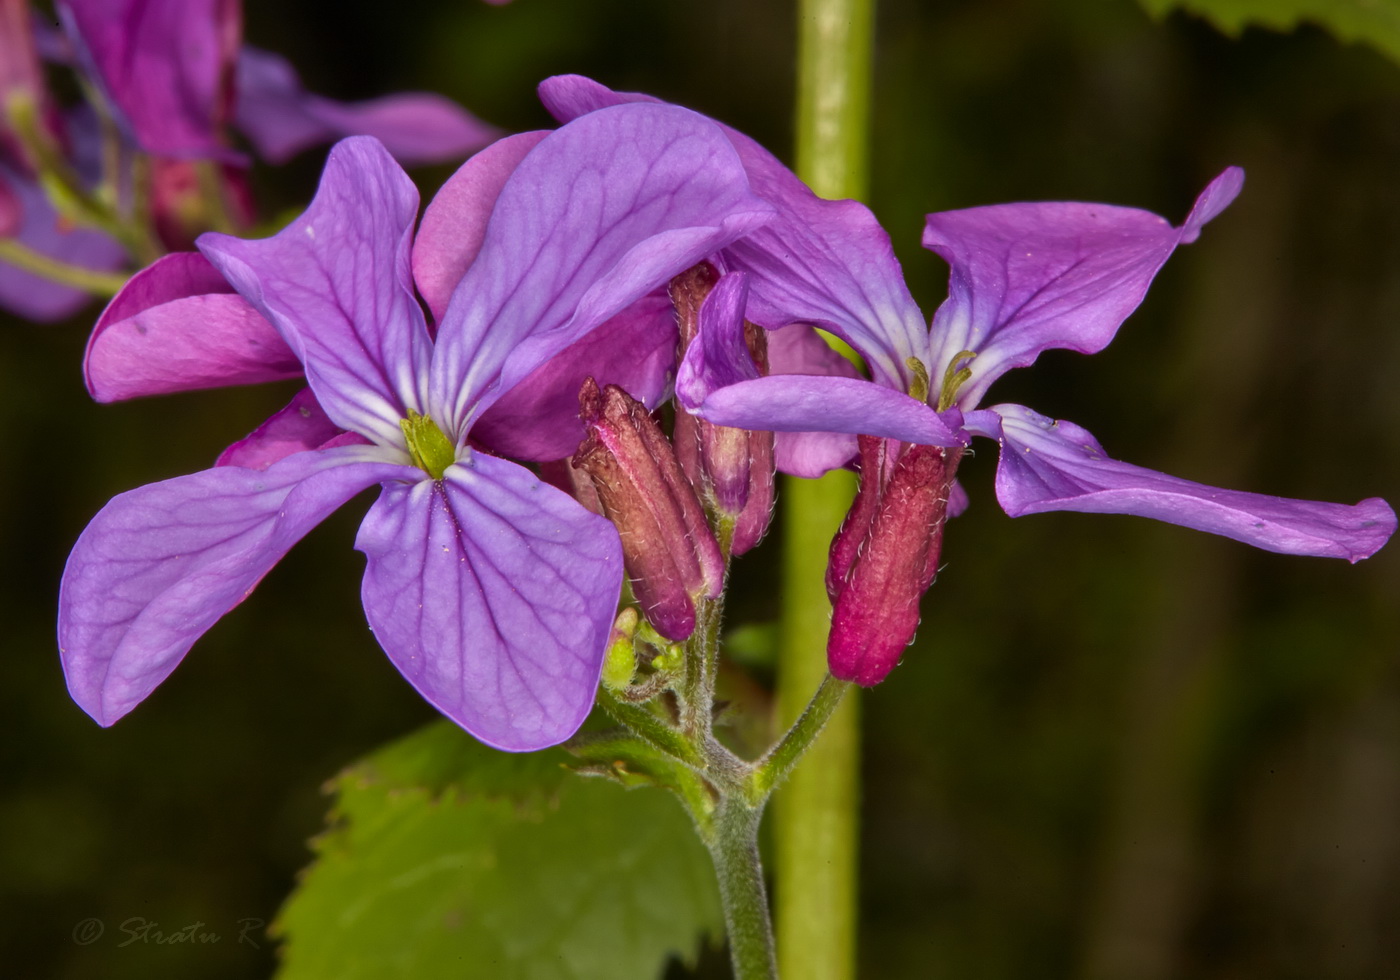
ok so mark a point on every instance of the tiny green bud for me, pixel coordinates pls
(620, 662)
(432, 452)
(670, 659)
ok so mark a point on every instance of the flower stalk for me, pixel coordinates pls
(816, 814)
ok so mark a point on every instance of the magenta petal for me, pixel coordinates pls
(302, 425)
(1056, 465)
(158, 566)
(494, 594)
(336, 284)
(282, 118)
(40, 229)
(798, 403)
(600, 213)
(1030, 277)
(163, 64)
(454, 222)
(177, 325)
(538, 419)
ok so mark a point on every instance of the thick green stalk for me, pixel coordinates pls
(816, 814)
(734, 850)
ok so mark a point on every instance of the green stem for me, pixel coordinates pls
(88, 280)
(817, 809)
(734, 850)
(652, 729)
(780, 760)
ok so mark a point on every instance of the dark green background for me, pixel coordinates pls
(1118, 749)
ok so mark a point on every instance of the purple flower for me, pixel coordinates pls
(177, 74)
(492, 592)
(1025, 278)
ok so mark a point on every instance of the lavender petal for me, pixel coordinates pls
(159, 565)
(1056, 465)
(1031, 277)
(494, 594)
(336, 285)
(601, 212)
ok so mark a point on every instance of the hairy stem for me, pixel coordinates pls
(734, 850)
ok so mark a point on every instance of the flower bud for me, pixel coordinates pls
(733, 468)
(620, 661)
(885, 556)
(671, 555)
(11, 211)
(26, 111)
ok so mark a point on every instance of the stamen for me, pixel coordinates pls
(431, 451)
(954, 378)
(918, 388)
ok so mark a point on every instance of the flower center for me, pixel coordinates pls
(432, 451)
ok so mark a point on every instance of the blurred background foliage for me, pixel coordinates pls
(1117, 750)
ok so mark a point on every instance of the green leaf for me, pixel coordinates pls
(1374, 21)
(449, 859)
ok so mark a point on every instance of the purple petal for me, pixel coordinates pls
(336, 285)
(958, 500)
(799, 349)
(454, 222)
(797, 403)
(302, 425)
(158, 566)
(1030, 277)
(569, 96)
(177, 325)
(282, 118)
(600, 213)
(164, 65)
(538, 419)
(1049, 465)
(719, 355)
(42, 231)
(494, 594)
(811, 454)
(818, 261)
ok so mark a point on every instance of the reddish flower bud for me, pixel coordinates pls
(11, 211)
(671, 555)
(885, 556)
(732, 468)
(20, 69)
(188, 197)
(26, 111)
